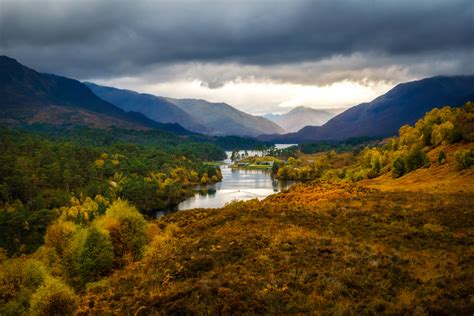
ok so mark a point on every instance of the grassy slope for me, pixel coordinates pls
(435, 179)
(383, 245)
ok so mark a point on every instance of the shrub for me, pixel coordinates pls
(53, 298)
(464, 158)
(128, 231)
(34, 273)
(398, 167)
(441, 157)
(19, 278)
(10, 280)
(89, 256)
(416, 158)
(58, 235)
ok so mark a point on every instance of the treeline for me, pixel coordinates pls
(99, 137)
(398, 155)
(351, 144)
(41, 170)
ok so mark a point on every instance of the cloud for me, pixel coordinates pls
(109, 38)
(224, 49)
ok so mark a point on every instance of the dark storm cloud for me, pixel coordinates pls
(87, 39)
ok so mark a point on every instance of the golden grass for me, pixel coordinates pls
(322, 248)
(436, 178)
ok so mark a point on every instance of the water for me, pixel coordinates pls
(236, 184)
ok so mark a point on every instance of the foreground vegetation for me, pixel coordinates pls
(384, 244)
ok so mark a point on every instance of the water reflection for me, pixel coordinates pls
(236, 184)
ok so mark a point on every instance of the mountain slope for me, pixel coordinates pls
(154, 107)
(225, 119)
(302, 116)
(27, 96)
(383, 116)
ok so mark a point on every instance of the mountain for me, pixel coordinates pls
(302, 116)
(155, 107)
(196, 115)
(225, 119)
(27, 97)
(404, 104)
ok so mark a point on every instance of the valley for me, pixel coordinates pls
(372, 226)
(114, 201)
(236, 157)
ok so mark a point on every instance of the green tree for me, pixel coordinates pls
(89, 257)
(53, 298)
(441, 157)
(128, 231)
(464, 158)
(398, 167)
(416, 158)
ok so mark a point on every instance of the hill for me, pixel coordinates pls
(302, 116)
(225, 119)
(155, 107)
(404, 104)
(379, 246)
(27, 97)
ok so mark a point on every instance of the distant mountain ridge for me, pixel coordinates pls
(302, 116)
(196, 115)
(155, 107)
(27, 96)
(225, 119)
(404, 104)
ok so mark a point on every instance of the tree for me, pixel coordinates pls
(128, 231)
(58, 235)
(89, 256)
(416, 158)
(53, 298)
(398, 167)
(441, 157)
(464, 158)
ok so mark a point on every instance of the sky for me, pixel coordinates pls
(259, 56)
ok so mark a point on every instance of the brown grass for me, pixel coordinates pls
(332, 248)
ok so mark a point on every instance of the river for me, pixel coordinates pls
(236, 184)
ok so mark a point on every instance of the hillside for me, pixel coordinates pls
(383, 116)
(27, 97)
(358, 237)
(387, 245)
(331, 247)
(154, 107)
(302, 116)
(225, 119)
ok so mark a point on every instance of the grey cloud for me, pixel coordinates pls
(361, 68)
(86, 39)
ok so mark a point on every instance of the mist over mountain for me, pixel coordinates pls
(27, 97)
(302, 116)
(404, 104)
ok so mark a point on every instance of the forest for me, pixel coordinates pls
(43, 168)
